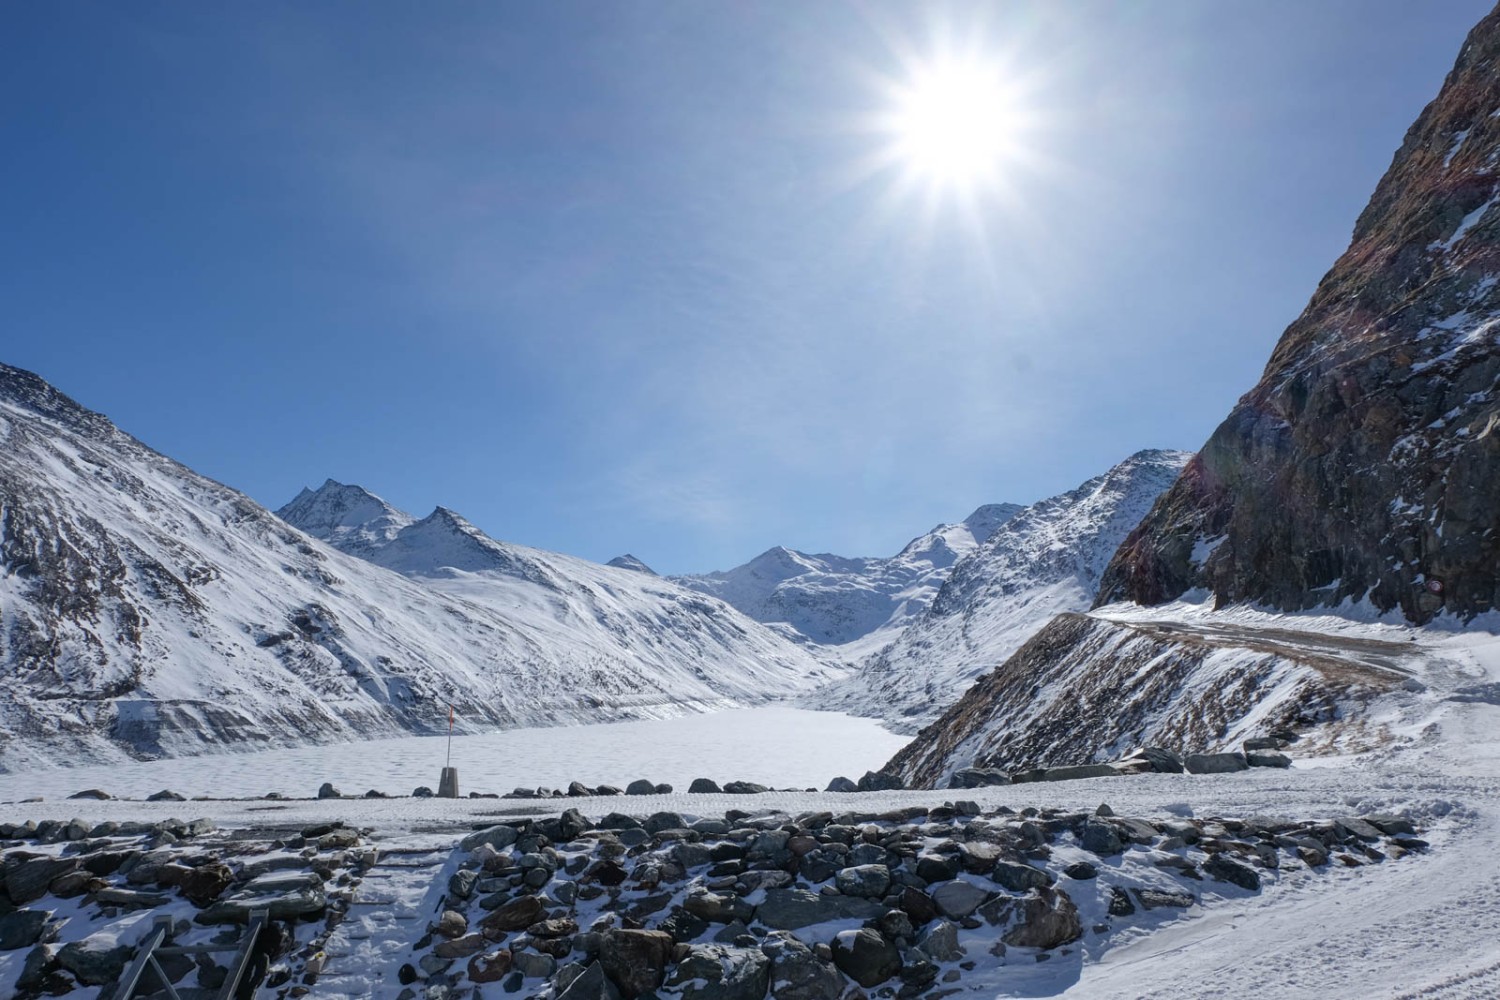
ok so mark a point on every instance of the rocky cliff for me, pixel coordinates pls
(1365, 464)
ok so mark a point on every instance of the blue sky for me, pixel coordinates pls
(618, 277)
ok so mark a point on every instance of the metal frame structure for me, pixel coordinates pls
(145, 958)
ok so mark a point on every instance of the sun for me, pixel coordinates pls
(954, 122)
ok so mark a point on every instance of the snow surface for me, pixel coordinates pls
(773, 745)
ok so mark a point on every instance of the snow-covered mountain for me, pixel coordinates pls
(1044, 561)
(628, 561)
(147, 610)
(834, 600)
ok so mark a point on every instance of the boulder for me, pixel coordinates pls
(744, 788)
(640, 786)
(1153, 899)
(841, 784)
(204, 884)
(422, 792)
(22, 928)
(1101, 839)
(1158, 759)
(880, 781)
(591, 984)
(1262, 743)
(865, 957)
(721, 972)
(95, 960)
(635, 960)
(287, 895)
(704, 786)
(452, 924)
(1215, 763)
(790, 909)
(26, 881)
(958, 899)
(515, 915)
(327, 791)
(978, 777)
(490, 967)
(940, 942)
(1019, 878)
(1267, 758)
(716, 908)
(864, 881)
(461, 947)
(165, 795)
(499, 837)
(1222, 869)
(797, 973)
(1081, 871)
(1048, 919)
(91, 793)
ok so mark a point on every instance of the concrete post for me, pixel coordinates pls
(448, 783)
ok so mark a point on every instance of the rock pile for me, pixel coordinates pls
(205, 881)
(809, 907)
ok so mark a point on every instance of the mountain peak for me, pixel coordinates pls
(29, 391)
(630, 562)
(346, 516)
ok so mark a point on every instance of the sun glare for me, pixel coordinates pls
(954, 122)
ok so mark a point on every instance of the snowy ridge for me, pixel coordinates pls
(1044, 561)
(833, 600)
(148, 611)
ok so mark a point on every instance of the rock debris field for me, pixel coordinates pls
(919, 901)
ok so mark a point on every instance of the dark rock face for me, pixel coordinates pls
(866, 957)
(1366, 462)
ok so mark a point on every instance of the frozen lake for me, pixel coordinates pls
(776, 746)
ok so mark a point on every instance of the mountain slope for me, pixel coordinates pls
(147, 610)
(1045, 560)
(1365, 464)
(832, 600)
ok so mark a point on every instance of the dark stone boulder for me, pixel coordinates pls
(841, 784)
(165, 795)
(591, 984)
(704, 786)
(1048, 919)
(721, 972)
(1223, 869)
(1159, 759)
(640, 786)
(978, 777)
(514, 915)
(95, 960)
(1267, 758)
(327, 791)
(635, 960)
(26, 881)
(1215, 763)
(797, 973)
(880, 781)
(865, 957)
(1101, 839)
(22, 928)
(744, 788)
(790, 909)
(1019, 878)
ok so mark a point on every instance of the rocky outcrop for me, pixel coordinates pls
(1365, 464)
(1091, 689)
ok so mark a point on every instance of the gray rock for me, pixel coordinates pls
(39, 961)
(1262, 743)
(165, 795)
(533, 965)
(937, 867)
(513, 915)
(1391, 825)
(1354, 828)
(790, 909)
(716, 908)
(1019, 878)
(1081, 871)
(958, 899)
(880, 781)
(841, 784)
(640, 786)
(1153, 899)
(1101, 839)
(499, 837)
(1222, 869)
(721, 972)
(461, 884)
(22, 928)
(591, 984)
(744, 788)
(91, 793)
(978, 777)
(26, 881)
(286, 895)
(940, 942)
(1048, 919)
(1159, 759)
(95, 960)
(452, 924)
(422, 792)
(865, 957)
(704, 786)
(461, 947)
(865, 881)
(1268, 758)
(635, 960)
(327, 791)
(797, 973)
(1215, 763)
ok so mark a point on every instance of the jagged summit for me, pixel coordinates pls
(349, 517)
(837, 600)
(1365, 464)
(1044, 560)
(30, 392)
(630, 562)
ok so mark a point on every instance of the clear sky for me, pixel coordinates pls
(632, 276)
